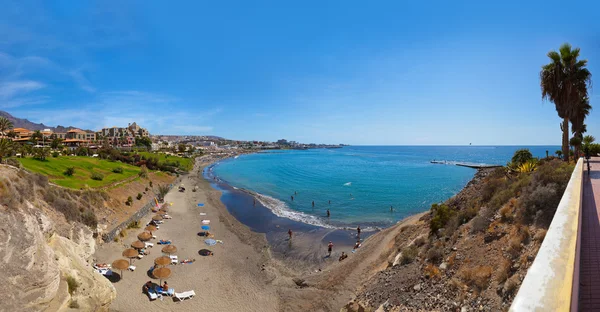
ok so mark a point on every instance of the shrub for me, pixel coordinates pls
(482, 221)
(89, 218)
(409, 254)
(97, 176)
(67, 208)
(150, 183)
(123, 233)
(162, 191)
(441, 215)
(134, 225)
(143, 172)
(118, 170)
(510, 286)
(431, 271)
(503, 270)
(435, 254)
(129, 201)
(70, 171)
(420, 241)
(478, 276)
(521, 156)
(146, 189)
(55, 154)
(72, 284)
(74, 304)
(13, 162)
(139, 196)
(540, 235)
(514, 247)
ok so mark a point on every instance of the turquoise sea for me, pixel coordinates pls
(362, 182)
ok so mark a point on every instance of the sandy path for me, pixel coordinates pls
(231, 280)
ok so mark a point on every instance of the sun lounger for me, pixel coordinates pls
(140, 256)
(169, 292)
(185, 295)
(174, 259)
(131, 268)
(104, 271)
(149, 244)
(153, 294)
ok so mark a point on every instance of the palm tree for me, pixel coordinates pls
(5, 124)
(588, 139)
(576, 143)
(564, 82)
(6, 148)
(580, 112)
(558, 153)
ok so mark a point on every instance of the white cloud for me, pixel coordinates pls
(11, 89)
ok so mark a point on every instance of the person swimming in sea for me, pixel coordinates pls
(391, 209)
(313, 203)
(330, 201)
(328, 213)
(292, 197)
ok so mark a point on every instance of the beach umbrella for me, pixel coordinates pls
(205, 221)
(144, 236)
(169, 249)
(151, 228)
(210, 242)
(204, 252)
(205, 227)
(121, 265)
(130, 253)
(164, 260)
(161, 273)
(162, 211)
(157, 218)
(138, 244)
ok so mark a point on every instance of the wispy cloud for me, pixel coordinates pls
(119, 108)
(79, 78)
(11, 89)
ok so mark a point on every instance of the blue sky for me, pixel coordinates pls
(419, 72)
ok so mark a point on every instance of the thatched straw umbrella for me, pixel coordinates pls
(121, 265)
(161, 273)
(162, 261)
(144, 236)
(138, 244)
(162, 212)
(151, 228)
(130, 253)
(157, 218)
(169, 249)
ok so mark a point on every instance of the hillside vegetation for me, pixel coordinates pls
(474, 249)
(84, 169)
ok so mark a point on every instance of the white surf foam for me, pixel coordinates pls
(280, 209)
(348, 184)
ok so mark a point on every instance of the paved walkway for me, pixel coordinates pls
(589, 274)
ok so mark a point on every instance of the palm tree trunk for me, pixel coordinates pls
(565, 139)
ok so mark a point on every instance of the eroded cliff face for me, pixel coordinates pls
(40, 250)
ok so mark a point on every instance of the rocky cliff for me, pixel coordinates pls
(45, 259)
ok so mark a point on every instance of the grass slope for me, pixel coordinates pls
(84, 166)
(184, 163)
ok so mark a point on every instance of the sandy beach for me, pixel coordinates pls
(245, 273)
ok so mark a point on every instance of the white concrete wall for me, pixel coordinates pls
(548, 285)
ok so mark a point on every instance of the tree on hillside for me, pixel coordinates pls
(181, 147)
(6, 148)
(55, 143)
(580, 112)
(36, 137)
(564, 82)
(5, 125)
(41, 153)
(143, 141)
(558, 153)
(521, 156)
(576, 143)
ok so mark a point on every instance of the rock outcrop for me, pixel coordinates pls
(43, 257)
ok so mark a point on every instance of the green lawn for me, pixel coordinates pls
(84, 166)
(185, 163)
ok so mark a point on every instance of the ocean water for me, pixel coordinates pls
(358, 184)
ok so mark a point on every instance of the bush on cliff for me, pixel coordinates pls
(441, 214)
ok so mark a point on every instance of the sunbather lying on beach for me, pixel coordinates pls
(164, 242)
(357, 245)
(343, 256)
(101, 265)
(188, 261)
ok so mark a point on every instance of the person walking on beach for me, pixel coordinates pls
(254, 202)
(290, 233)
(358, 231)
(329, 248)
(328, 213)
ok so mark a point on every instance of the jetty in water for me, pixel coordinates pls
(464, 164)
